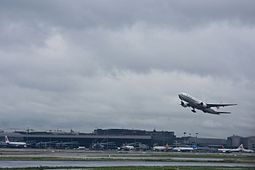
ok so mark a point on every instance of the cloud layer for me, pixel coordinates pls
(121, 64)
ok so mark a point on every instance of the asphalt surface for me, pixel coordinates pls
(115, 158)
(26, 164)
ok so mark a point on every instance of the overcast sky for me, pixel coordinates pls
(86, 64)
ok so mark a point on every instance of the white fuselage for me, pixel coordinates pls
(16, 143)
(229, 150)
(128, 147)
(183, 149)
(160, 148)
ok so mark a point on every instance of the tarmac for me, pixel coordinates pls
(27, 164)
(23, 158)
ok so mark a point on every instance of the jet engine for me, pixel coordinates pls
(184, 104)
(203, 104)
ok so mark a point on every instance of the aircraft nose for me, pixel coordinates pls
(180, 96)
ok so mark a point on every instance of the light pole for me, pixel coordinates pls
(196, 137)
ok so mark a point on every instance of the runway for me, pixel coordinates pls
(23, 158)
(26, 164)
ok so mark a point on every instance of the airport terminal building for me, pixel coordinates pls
(113, 138)
(212, 142)
(235, 141)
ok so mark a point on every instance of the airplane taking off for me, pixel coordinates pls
(15, 144)
(189, 101)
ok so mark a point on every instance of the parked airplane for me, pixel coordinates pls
(239, 149)
(161, 148)
(184, 149)
(127, 148)
(189, 101)
(15, 144)
(104, 145)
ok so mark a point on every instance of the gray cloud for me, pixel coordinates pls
(105, 64)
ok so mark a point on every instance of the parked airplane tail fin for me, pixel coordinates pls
(6, 140)
(194, 146)
(241, 147)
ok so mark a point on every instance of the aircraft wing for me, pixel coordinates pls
(223, 112)
(219, 105)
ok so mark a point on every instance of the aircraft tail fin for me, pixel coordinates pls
(241, 147)
(6, 140)
(194, 146)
